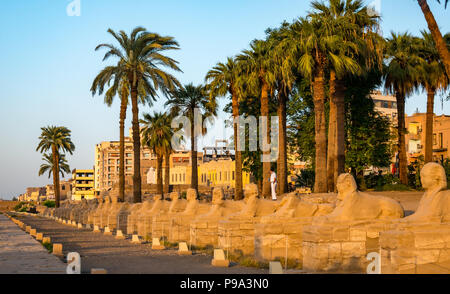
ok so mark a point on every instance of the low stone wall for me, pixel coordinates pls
(341, 247)
(8, 205)
(416, 249)
(237, 236)
(280, 239)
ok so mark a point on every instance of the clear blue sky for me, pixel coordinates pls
(47, 64)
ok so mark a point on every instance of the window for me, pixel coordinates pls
(233, 176)
(441, 140)
(434, 139)
(128, 154)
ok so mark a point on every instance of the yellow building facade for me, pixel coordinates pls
(83, 185)
(215, 173)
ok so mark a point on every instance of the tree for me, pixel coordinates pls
(224, 79)
(401, 79)
(349, 33)
(310, 50)
(285, 77)
(157, 134)
(56, 139)
(187, 101)
(258, 65)
(140, 58)
(432, 78)
(121, 87)
(48, 166)
(368, 142)
(441, 45)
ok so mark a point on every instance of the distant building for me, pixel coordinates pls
(107, 160)
(64, 190)
(83, 186)
(386, 105)
(415, 138)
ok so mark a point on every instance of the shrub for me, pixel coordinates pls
(50, 203)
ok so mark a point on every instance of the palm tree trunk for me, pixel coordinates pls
(123, 115)
(339, 166)
(320, 185)
(167, 173)
(194, 176)
(266, 165)
(238, 186)
(403, 165)
(331, 153)
(282, 154)
(159, 180)
(429, 125)
(56, 175)
(437, 36)
(136, 146)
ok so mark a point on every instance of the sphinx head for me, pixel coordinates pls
(250, 191)
(191, 194)
(345, 184)
(433, 177)
(218, 195)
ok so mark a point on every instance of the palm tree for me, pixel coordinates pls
(433, 79)
(187, 101)
(221, 80)
(401, 79)
(307, 46)
(259, 67)
(48, 166)
(286, 76)
(441, 45)
(140, 58)
(56, 139)
(121, 87)
(352, 45)
(157, 135)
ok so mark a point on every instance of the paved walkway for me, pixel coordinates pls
(21, 254)
(123, 257)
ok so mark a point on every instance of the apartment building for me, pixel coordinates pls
(415, 138)
(83, 186)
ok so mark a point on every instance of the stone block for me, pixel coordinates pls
(27, 229)
(429, 240)
(96, 229)
(107, 231)
(39, 236)
(357, 234)
(156, 244)
(99, 271)
(136, 239)
(183, 249)
(57, 249)
(33, 232)
(46, 240)
(219, 259)
(120, 235)
(275, 268)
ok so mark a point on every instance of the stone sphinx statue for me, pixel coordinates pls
(136, 216)
(435, 203)
(180, 222)
(236, 232)
(354, 205)
(161, 226)
(204, 229)
(146, 220)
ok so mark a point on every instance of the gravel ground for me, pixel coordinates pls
(123, 257)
